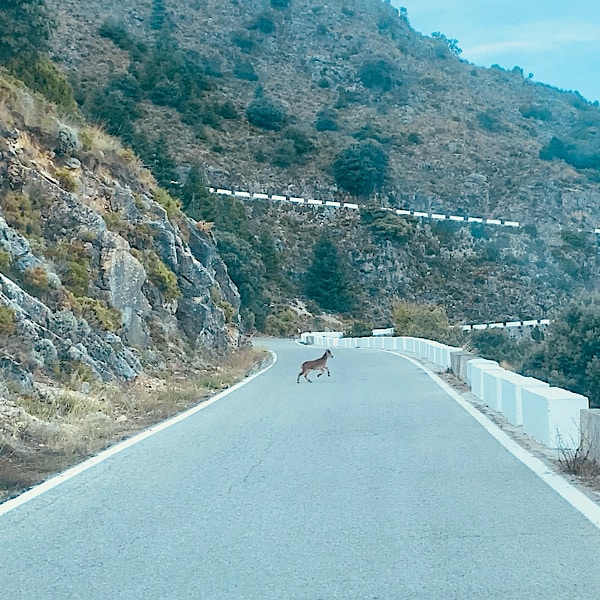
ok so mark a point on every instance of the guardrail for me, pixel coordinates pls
(549, 414)
(508, 325)
(353, 206)
(417, 214)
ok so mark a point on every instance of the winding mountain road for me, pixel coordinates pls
(371, 484)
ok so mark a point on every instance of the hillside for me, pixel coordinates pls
(347, 102)
(458, 137)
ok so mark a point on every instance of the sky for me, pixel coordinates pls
(556, 40)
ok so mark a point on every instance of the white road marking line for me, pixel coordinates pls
(577, 499)
(56, 480)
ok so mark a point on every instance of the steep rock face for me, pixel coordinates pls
(94, 269)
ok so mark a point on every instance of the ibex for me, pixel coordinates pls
(315, 365)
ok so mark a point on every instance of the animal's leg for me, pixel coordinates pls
(299, 375)
(328, 373)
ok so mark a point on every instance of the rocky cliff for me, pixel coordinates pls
(100, 268)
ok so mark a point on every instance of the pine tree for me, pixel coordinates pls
(327, 280)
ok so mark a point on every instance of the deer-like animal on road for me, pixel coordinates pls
(315, 365)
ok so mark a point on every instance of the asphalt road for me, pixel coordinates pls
(373, 483)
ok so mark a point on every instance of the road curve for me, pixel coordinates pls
(369, 484)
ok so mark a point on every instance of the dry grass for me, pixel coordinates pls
(579, 461)
(47, 431)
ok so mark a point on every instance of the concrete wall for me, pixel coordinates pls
(548, 414)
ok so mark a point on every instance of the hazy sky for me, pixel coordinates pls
(556, 40)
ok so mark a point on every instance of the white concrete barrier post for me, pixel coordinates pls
(474, 368)
(551, 416)
(512, 386)
(491, 387)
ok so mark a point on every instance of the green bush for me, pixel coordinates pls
(243, 41)
(495, 344)
(378, 73)
(247, 271)
(98, 313)
(43, 76)
(7, 320)
(361, 169)
(326, 120)
(490, 121)
(266, 114)
(359, 329)
(245, 70)
(426, 321)
(581, 154)
(536, 112)
(170, 204)
(161, 276)
(263, 23)
(385, 225)
(21, 213)
(5, 261)
(284, 323)
(569, 356)
(25, 30)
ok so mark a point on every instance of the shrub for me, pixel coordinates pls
(489, 121)
(569, 356)
(7, 320)
(385, 225)
(263, 23)
(243, 41)
(161, 276)
(266, 114)
(20, 213)
(495, 344)
(284, 323)
(218, 300)
(326, 120)
(245, 70)
(580, 155)
(361, 168)
(66, 180)
(43, 77)
(26, 29)
(427, 321)
(247, 271)
(301, 140)
(74, 264)
(359, 329)
(170, 204)
(36, 279)
(327, 280)
(98, 313)
(378, 73)
(5, 261)
(536, 112)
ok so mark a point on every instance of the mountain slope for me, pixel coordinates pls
(270, 96)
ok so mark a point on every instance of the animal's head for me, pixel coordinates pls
(328, 353)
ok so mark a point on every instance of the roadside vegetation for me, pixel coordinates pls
(567, 355)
